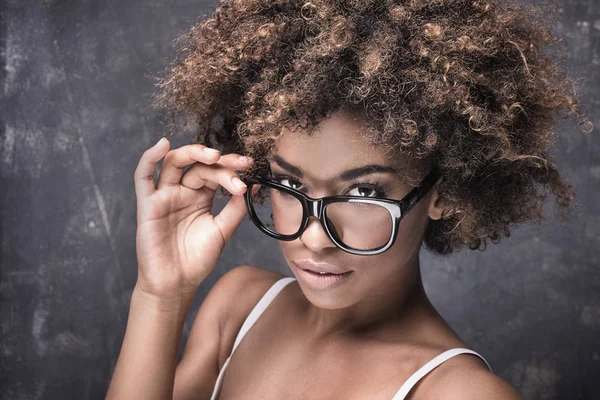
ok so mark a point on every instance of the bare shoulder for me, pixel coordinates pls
(467, 377)
(240, 286)
(479, 384)
(212, 334)
(239, 291)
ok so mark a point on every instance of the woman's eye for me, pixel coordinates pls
(374, 190)
(363, 191)
(291, 183)
(359, 190)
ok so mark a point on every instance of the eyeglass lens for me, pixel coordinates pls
(360, 226)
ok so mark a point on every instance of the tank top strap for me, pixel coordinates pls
(256, 312)
(260, 307)
(431, 364)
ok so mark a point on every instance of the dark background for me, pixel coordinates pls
(75, 118)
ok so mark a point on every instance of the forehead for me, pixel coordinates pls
(338, 143)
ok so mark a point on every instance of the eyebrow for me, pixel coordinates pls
(346, 175)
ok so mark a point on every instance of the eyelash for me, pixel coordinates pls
(380, 190)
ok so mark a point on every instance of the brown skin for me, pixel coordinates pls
(464, 85)
(178, 243)
(277, 359)
(366, 336)
(308, 342)
(379, 285)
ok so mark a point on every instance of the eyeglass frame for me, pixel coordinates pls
(315, 207)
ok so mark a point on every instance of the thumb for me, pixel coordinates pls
(231, 216)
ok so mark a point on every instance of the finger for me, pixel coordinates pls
(231, 216)
(211, 176)
(176, 160)
(194, 179)
(143, 176)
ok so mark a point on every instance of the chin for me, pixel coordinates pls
(326, 301)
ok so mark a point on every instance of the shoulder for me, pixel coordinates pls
(467, 377)
(479, 384)
(213, 331)
(239, 289)
(243, 276)
(240, 286)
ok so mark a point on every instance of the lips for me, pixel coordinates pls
(320, 268)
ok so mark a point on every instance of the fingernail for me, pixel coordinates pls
(237, 182)
(160, 141)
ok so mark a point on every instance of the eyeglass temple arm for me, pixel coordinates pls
(418, 192)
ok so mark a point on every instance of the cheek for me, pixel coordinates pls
(391, 264)
(408, 235)
(408, 239)
(397, 255)
(412, 226)
(287, 248)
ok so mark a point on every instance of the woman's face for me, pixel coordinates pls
(313, 165)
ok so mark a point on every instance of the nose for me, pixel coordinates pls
(314, 236)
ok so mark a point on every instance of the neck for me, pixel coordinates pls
(392, 306)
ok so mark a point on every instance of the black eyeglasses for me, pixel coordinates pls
(358, 225)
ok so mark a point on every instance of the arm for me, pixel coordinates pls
(145, 368)
(178, 244)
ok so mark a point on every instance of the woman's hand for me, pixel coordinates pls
(178, 240)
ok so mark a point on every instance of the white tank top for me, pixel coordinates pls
(268, 298)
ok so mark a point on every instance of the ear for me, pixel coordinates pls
(435, 208)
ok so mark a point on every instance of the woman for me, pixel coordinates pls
(369, 129)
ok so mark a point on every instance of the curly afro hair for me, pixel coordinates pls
(469, 86)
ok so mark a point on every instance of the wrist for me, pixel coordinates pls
(168, 303)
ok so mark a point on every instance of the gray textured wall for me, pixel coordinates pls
(74, 122)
